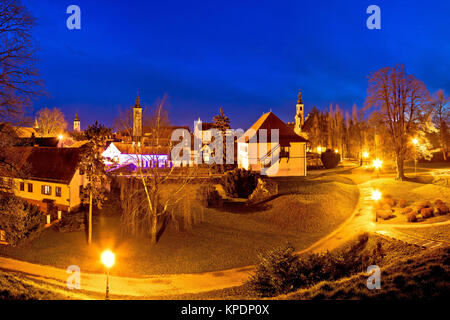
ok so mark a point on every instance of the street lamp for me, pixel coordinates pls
(415, 142)
(108, 259)
(376, 195)
(365, 154)
(319, 150)
(377, 164)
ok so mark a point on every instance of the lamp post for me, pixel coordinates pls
(377, 164)
(365, 155)
(415, 143)
(108, 259)
(376, 195)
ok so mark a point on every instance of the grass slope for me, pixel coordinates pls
(17, 287)
(407, 272)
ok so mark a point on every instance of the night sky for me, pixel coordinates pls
(246, 56)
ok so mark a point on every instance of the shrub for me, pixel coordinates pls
(276, 272)
(422, 204)
(209, 197)
(406, 210)
(384, 214)
(411, 217)
(442, 209)
(330, 159)
(401, 203)
(426, 212)
(239, 183)
(389, 201)
(265, 189)
(439, 202)
(280, 271)
(18, 218)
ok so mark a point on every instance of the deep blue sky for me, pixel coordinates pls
(247, 56)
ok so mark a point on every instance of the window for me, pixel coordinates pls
(47, 190)
(284, 152)
(2, 235)
(22, 186)
(30, 187)
(58, 191)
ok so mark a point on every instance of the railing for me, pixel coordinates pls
(266, 164)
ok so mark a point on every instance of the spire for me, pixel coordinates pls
(76, 117)
(138, 102)
(299, 101)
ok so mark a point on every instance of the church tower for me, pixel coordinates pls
(137, 120)
(76, 123)
(299, 115)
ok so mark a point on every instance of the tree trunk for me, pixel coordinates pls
(153, 230)
(400, 168)
(90, 219)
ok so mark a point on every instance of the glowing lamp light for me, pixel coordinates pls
(60, 137)
(319, 149)
(336, 150)
(376, 195)
(108, 258)
(377, 163)
(365, 154)
(415, 141)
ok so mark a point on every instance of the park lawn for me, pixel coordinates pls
(412, 192)
(305, 211)
(439, 233)
(18, 287)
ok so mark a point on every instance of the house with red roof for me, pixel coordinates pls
(273, 148)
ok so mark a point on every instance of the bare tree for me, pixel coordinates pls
(148, 197)
(400, 99)
(51, 122)
(441, 116)
(19, 83)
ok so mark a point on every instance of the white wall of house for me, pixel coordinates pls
(291, 160)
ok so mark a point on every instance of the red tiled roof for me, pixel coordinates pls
(270, 121)
(42, 163)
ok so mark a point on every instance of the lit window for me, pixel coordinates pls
(47, 190)
(2, 235)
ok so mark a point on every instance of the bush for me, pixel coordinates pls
(406, 210)
(18, 218)
(426, 212)
(239, 183)
(411, 217)
(209, 197)
(280, 271)
(276, 273)
(384, 214)
(401, 203)
(265, 189)
(442, 209)
(330, 159)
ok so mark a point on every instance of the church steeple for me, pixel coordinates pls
(76, 123)
(138, 101)
(299, 101)
(137, 120)
(299, 115)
